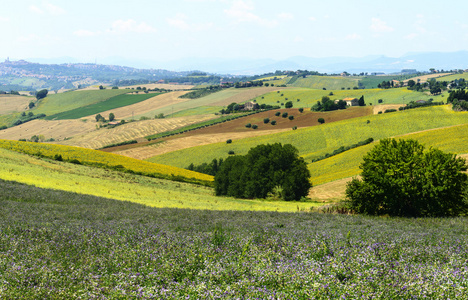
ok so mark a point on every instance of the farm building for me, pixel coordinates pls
(350, 101)
(249, 106)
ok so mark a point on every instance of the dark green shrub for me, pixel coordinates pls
(248, 125)
(273, 122)
(284, 115)
(254, 126)
(321, 120)
(400, 178)
(291, 118)
(301, 110)
(266, 120)
(228, 141)
(277, 113)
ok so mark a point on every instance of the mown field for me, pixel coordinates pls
(62, 102)
(58, 245)
(95, 108)
(108, 183)
(319, 140)
(453, 77)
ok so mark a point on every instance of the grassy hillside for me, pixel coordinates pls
(319, 140)
(111, 103)
(107, 183)
(328, 82)
(453, 77)
(57, 103)
(309, 97)
(452, 139)
(103, 159)
(58, 245)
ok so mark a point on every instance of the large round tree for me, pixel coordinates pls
(401, 178)
(263, 169)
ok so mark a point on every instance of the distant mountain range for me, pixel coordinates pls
(238, 66)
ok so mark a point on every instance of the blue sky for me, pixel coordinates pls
(170, 30)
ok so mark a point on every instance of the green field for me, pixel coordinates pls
(453, 77)
(319, 140)
(201, 110)
(371, 82)
(328, 82)
(57, 103)
(154, 192)
(111, 103)
(309, 97)
(452, 139)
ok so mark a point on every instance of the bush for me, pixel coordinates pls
(284, 115)
(291, 118)
(301, 110)
(248, 125)
(231, 152)
(273, 122)
(321, 120)
(288, 104)
(266, 120)
(229, 141)
(400, 178)
(277, 113)
(254, 126)
(294, 128)
(263, 169)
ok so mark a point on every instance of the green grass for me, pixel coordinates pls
(111, 103)
(45, 173)
(309, 97)
(201, 110)
(453, 77)
(319, 140)
(452, 139)
(57, 103)
(371, 82)
(328, 82)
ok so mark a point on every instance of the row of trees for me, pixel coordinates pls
(328, 105)
(100, 118)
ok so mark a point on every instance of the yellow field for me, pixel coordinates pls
(131, 131)
(13, 103)
(99, 158)
(127, 187)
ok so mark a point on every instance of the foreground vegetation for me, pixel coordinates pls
(60, 245)
(59, 175)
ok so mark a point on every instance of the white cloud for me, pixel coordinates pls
(118, 27)
(53, 9)
(28, 38)
(180, 22)
(313, 19)
(130, 25)
(411, 36)
(286, 16)
(379, 26)
(36, 9)
(353, 36)
(48, 8)
(241, 12)
(3, 19)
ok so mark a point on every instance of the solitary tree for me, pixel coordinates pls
(288, 104)
(41, 94)
(361, 101)
(111, 117)
(321, 120)
(400, 178)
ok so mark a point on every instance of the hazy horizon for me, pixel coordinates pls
(225, 29)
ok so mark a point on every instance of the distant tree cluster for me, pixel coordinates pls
(459, 99)
(265, 169)
(328, 105)
(210, 168)
(248, 84)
